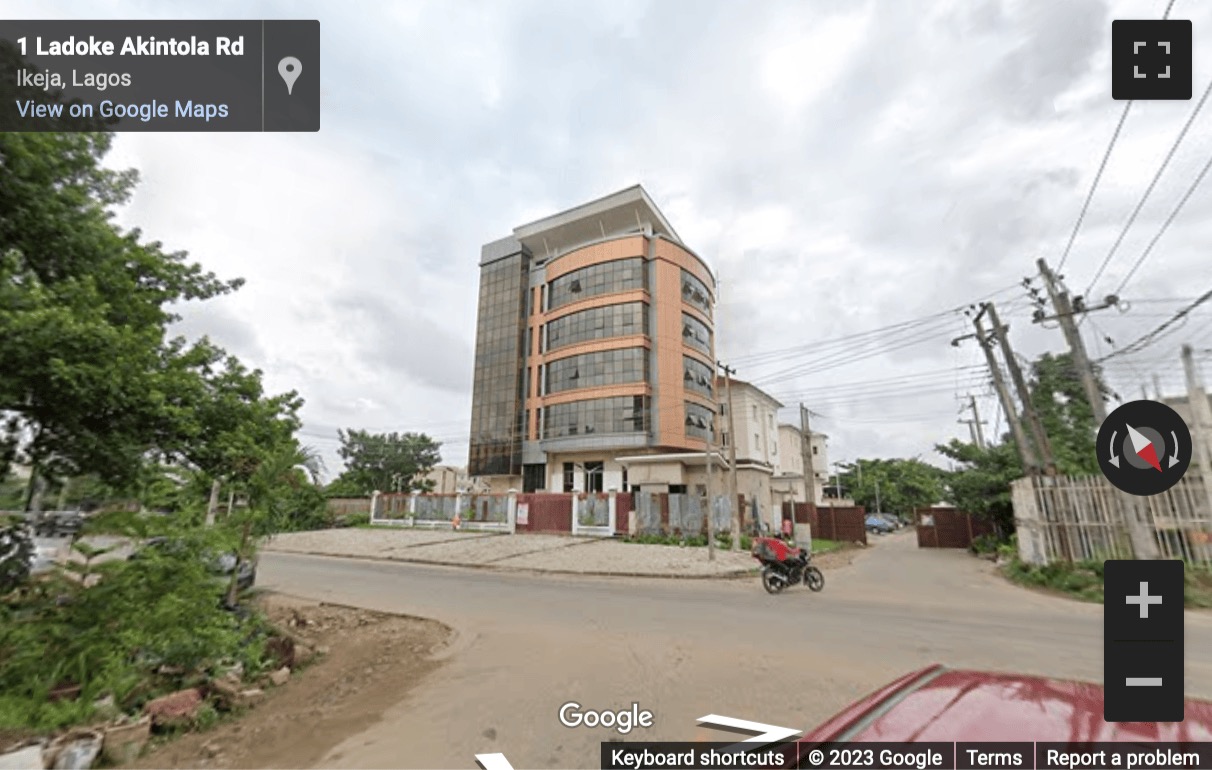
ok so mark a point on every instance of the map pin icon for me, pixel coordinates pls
(290, 68)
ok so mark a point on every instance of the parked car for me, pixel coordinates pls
(943, 704)
(878, 525)
(221, 565)
(58, 523)
(892, 519)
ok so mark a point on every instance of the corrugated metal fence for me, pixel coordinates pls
(828, 522)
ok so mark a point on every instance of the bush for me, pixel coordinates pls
(161, 612)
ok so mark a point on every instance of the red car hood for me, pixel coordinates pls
(939, 704)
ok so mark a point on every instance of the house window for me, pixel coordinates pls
(815, 450)
(593, 476)
(570, 471)
(624, 479)
(677, 489)
(723, 439)
(755, 413)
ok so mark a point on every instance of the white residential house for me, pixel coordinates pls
(448, 479)
(758, 449)
(788, 482)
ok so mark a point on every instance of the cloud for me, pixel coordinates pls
(843, 166)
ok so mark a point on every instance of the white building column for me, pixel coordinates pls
(576, 514)
(512, 512)
(612, 504)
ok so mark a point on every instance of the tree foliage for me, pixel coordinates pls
(981, 483)
(903, 485)
(1064, 409)
(383, 461)
(91, 383)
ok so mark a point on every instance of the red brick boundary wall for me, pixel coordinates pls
(846, 525)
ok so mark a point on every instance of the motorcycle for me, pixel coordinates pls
(784, 566)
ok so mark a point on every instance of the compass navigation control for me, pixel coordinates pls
(1144, 447)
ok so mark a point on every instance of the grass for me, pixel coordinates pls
(1084, 580)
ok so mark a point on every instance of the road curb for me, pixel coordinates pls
(733, 575)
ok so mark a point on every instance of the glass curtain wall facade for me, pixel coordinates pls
(497, 411)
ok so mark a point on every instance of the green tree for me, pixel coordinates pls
(1058, 396)
(86, 381)
(981, 485)
(383, 461)
(903, 485)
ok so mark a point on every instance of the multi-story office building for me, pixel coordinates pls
(594, 350)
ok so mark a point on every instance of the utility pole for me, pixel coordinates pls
(1025, 452)
(974, 424)
(1144, 542)
(806, 449)
(711, 488)
(1042, 445)
(1201, 420)
(878, 509)
(1077, 348)
(733, 505)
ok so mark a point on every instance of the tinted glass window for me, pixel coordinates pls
(498, 381)
(695, 292)
(696, 376)
(696, 334)
(603, 278)
(606, 367)
(621, 414)
(598, 323)
(700, 421)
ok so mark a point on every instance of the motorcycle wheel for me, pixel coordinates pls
(771, 582)
(813, 578)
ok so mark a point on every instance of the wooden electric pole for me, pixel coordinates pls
(974, 424)
(733, 505)
(1043, 446)
(1065, 315)
(806, 449)
(1201, 421)
(1140, 530)
(711, 488)
(1025, 453)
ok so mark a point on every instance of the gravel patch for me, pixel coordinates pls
(618, 558)
(354, 541)
(544, 553)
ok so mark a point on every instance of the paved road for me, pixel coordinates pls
(684, 649)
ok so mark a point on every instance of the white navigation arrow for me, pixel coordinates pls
(768, 733)
(1174, 455)
(1114, 457)
(493, 762)
(1139, 440)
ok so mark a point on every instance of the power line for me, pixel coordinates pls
(753, 359)
(1148, 339)
(1094, 186)
(1149, 190)
(1165, 225)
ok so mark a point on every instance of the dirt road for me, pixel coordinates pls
(684, 649)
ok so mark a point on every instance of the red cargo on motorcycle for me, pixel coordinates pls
(784, 566)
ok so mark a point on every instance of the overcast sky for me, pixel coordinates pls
(843, 166)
